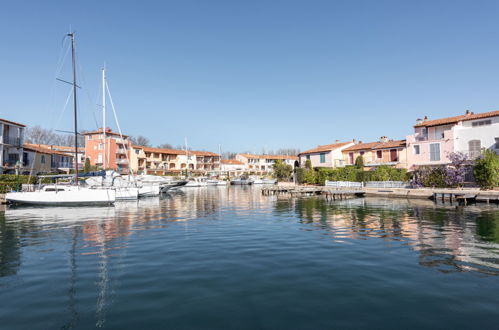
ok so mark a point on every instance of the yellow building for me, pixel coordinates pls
(391, 153)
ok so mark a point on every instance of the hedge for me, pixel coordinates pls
(350, 173)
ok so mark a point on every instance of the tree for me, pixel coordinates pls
(87, 168)
(359, 162)
(486, 170)
(40, 135)
(282, 171)
(308, 164)
(165, 146)
(141, 141)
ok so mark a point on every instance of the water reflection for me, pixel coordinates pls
(447, 238)
(93, 253)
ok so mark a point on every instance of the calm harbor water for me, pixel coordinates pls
(229, 258)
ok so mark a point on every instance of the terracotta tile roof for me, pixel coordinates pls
(39, 149)
(325, 147)
(176, 151)
(376, 145)
(99, 131)
(60, 148)
(231, 162)
(162, 151)
(455, 119)
(391, 144)
(203, 153)
(250, 156)
(362, 146)
(12, 122)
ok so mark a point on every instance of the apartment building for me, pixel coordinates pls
(434, 140)
(327, 155)
(263, 164)
(11, 145)
(166, 161)
(38, 159)
(117, 156)
(232, 167)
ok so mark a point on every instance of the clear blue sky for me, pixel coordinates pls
(250, 74)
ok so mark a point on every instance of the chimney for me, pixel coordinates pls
(337, 141)
(360, 142)
(419, 121)
(425, 118)
(383, 139)
(469, 112)
(354, 141)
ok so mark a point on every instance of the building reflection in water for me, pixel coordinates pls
(447, 238)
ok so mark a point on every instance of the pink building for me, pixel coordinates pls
(434, 140)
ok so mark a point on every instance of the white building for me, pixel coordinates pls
(233, 167)
(263, 164)
(434, 140)
(11, 145)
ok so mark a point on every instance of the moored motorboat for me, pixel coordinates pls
(196, 182)
(241, 181)
(214, 182)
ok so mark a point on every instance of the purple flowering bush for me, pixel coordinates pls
(443, 176)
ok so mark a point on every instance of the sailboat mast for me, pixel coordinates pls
(104, 115)
(71, 35)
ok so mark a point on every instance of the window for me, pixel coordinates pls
(415, 149)
(323, 157)
(481, 123)
(379, 154)
(89, 137)
(307, 157)
(497, 143)
(435, 152)
(474, 148)
(42, 159)
(362, 153)
(101, 146)
(350, 157)
(424, 132)
(137, 151)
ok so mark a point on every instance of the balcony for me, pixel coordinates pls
(122, 161)
(62, 165)
(121, 151)
(14, 141)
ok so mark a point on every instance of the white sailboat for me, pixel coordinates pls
(65, 194)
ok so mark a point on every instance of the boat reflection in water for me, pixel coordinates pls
(198, 251)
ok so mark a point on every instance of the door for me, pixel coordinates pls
(393, 155)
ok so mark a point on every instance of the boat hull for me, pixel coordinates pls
(81, 196)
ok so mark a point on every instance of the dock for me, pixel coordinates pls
(327, 192)
(452, 196)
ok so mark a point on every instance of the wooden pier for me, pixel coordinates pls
(327, 192)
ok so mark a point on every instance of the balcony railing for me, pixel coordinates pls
(62, 165)
(121, 151)
(121, 161)
(15, 141)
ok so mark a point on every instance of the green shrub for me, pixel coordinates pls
(282, 171)
(486, 170)
(359, 162)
